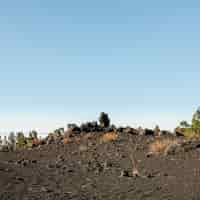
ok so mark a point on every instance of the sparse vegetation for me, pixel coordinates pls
(192, 130)
(102, 151)
(108, 137)
(160, 146)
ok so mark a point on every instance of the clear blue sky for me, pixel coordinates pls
(63, 61)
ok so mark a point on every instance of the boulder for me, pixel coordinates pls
(107, 130)
(90, 127)
(167, 133)
(120, 129)
(130, 130)
(179, 132)
(190, 145)
(148, 132)
(71, 126)
(124, 173)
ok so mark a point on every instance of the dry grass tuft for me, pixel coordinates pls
(108, 137)
(160, 145)
(66, 140)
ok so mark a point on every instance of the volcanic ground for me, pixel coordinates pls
(87, 169)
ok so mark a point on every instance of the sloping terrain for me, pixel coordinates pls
(88, 169)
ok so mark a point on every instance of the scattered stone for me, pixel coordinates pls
(6, 170)
(58, 165)
(107, 165)
(64, 167)
(60, 158)
(190, 145)
(150, 154)
(18, 178)
(135, 173)
(25, 162)
(46, 190)
(50, 166)
(70, 170)
(165, 174)
(150, 175)
(34, 161)
(124, 173)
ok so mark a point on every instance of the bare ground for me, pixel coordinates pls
(88, 170)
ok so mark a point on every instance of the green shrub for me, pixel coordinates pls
(193, 130)
(21, 140)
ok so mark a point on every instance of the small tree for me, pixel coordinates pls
(192, 130)
(184, 124)
(104, 120)
(196, 121)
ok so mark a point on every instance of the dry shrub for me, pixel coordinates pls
(108, 137)
(36, 142)
(66, 140)
(68, 133)
(161, 145)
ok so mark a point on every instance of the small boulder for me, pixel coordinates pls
(179, 132)
(130, 130)
(124, 173)
(148, 132)
(166, 133)
(120, 129)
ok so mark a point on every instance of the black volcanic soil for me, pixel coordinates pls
(88, 170)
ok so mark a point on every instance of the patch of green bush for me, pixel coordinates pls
(192, 130)
(21, 140)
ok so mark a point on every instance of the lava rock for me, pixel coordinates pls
(148, 132)
(130, 130)
(124, 173)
